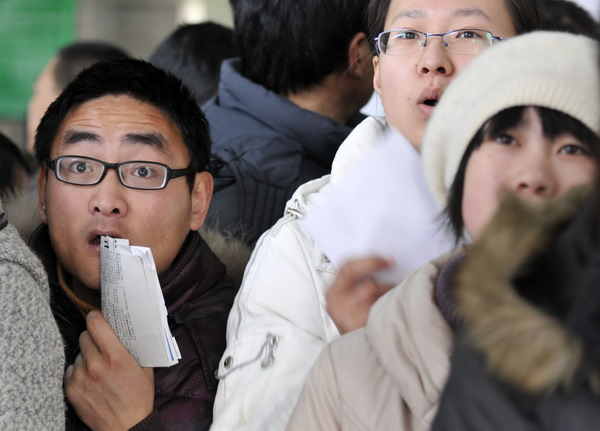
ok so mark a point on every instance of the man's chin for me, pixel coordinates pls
(87, 288)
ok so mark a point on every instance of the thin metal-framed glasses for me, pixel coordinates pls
(406, 41)
(137, 174)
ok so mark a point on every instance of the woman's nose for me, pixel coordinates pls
(534, 177)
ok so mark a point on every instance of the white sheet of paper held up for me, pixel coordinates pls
(133, 304)
(382, 208)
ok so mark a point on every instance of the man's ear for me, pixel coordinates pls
(201, 196)
(376, 79)
(359, 55)
(41, 182)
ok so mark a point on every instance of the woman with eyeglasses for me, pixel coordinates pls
(522, 120)
(280, 320)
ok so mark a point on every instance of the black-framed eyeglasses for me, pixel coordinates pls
(137, 174)
(406, 41)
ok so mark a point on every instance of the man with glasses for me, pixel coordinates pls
(124, 152)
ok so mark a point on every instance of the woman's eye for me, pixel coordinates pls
(573, 149)
(505, 139)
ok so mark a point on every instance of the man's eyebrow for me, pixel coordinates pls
(154, 139)
(75, 136)
(466, 12)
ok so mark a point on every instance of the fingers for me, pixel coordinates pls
(102, 335)
(108, 390)
(149, 372)
(68, 374)
(376, 290)
(87, 346)
(354, 291)
(369, 292)
(359, 270)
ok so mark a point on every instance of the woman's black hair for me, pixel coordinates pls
(554, 124)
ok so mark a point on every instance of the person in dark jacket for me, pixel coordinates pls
(124, 151)
(194, 53)
(527, 346)
(285, 105)
(527, 356)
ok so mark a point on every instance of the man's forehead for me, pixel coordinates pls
(124, 117)
(116, 103)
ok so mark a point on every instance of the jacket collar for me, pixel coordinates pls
(539, 300)
(364, 138)
(444, 291)
(194, 271)
(319, 135)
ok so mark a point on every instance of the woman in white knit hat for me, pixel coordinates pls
(523, 117)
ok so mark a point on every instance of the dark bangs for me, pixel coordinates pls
(554, 124)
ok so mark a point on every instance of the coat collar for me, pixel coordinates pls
(318, 135)
(194, 271)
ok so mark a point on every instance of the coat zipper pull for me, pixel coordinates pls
(272, 342)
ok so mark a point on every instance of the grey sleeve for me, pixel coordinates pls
(32, 364)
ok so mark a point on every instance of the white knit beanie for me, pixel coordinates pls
(547, 69)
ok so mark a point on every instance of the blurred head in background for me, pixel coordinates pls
(58, 72)
(194, 53)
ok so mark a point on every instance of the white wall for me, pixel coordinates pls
(140, 25)
(592, 6)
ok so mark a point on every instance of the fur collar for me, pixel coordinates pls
(523, 344)
(233, 252)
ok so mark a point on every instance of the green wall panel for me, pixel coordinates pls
(31, 31)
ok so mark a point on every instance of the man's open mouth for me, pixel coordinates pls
(94, 237)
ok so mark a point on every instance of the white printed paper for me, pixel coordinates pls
(133, 304)
(381, 208)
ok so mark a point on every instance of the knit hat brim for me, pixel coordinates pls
(546, 69)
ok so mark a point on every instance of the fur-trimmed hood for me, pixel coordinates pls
(523, 292)
(233, 252)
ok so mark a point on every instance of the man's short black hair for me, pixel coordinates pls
(291, 45)
(194, 53)
(73, 58)
(554, 124)
(141, 81)
(525, 15)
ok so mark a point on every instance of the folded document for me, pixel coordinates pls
(133, 304)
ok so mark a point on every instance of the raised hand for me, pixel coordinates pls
(354, 291)
(105, 385)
